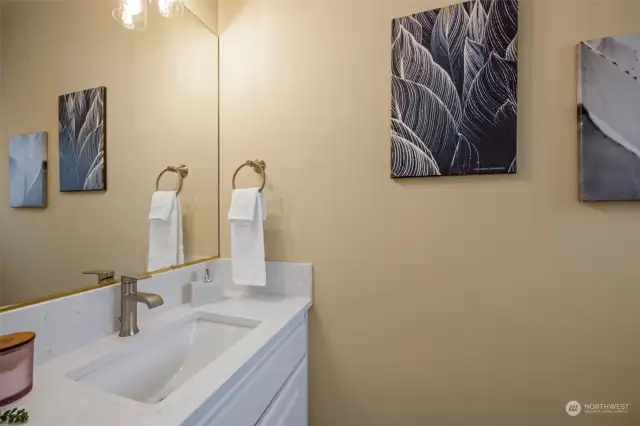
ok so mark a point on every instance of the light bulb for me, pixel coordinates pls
(131, 14)
(134, 7)
(170, 8)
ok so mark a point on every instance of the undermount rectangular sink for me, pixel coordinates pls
(155, 365)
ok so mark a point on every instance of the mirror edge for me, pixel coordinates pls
(95, 287)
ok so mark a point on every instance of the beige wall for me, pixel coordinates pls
(0, 130)
(206, 11)
(454, 301)
(162, 108)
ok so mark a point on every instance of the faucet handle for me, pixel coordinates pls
(129, 278)
(103, 274)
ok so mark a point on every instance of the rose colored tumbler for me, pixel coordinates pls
(16, 366)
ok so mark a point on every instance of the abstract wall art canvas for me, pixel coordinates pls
(454, 90)
(28, 170)
(81, 117)
(609, 118)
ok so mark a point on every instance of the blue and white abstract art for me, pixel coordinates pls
(83, 140)
(609, 92)
(28, 170)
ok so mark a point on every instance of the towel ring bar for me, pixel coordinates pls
(258, 166)
(182, 171)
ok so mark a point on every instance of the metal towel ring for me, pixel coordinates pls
(258, 166)
(182, 171)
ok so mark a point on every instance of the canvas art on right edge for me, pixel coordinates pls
(454, 90)
(28, 170)
(609, 119)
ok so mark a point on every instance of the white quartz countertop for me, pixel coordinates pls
(58, 400)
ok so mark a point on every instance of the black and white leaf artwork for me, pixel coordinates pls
(82, 149)
(454, 90)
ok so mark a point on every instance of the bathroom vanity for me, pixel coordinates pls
(240, 361)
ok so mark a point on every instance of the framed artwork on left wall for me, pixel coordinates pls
(28, 170)
(82, 140)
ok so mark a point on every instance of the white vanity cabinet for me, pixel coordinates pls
(290, 408)
(269, 391)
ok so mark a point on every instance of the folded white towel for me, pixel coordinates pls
(162, 205)
(243, 204)
(165, 231)
(246, 216)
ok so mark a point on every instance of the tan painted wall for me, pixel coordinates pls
(0, 128)
(206, 11)
(455, 301)
(162, 108)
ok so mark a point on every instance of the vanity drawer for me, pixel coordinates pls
(290, 408)
(261, 385)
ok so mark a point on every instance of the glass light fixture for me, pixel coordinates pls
(170, 8)
(131, 14)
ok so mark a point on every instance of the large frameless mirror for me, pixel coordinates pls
(94, 118)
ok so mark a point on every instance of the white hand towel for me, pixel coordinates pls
(162, 205)
(246, 216)
(165, 231)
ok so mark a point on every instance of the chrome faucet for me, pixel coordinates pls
(129, 299)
